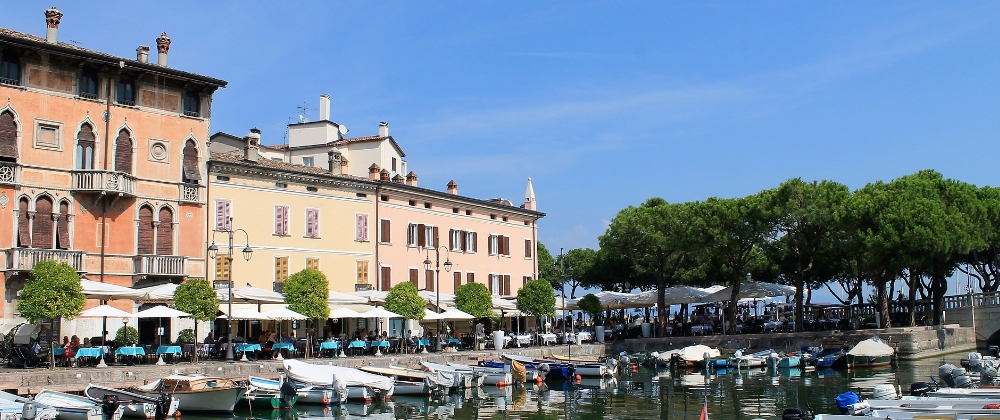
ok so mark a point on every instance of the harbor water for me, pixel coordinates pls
(642, 394)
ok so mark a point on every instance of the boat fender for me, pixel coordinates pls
(162, 405)
(109, 406)
(846, 399)
(29, 411)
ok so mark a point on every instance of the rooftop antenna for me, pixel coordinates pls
(302, 112)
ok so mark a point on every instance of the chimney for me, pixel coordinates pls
(52, 18)
(142, 54)
(397, 179)
(335, 160)
(251, 151)
(162, 46)
(411, 179)
(529, 197)
(384, 175)
(324, 107)
(373, 172)
(344, 170)
(383, 129)
(452, 187)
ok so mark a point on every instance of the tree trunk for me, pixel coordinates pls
(882, 301)
(799, 296)
(194, 352)
(939, 287)
(661, 317)
(731, 307)
(912, 304)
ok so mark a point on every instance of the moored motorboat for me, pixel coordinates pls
(756, 359)
(195, 393)
(136, 405)
(870, 352)
(693, 356)
(78, 407)
(490, 375)
(415, 382)
(360, 385)
(529, 376)
(829, 358)
(307, 394)
(17, 407)
(783, 361)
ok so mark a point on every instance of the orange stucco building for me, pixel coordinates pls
(101, 163)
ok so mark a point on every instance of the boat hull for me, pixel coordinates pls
(867, 361)
(411, 388)
(222, 400)
(75, 407)
(271, 400)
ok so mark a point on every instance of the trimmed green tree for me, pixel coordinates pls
(591, 305)
(306, 292)
(126, 336)
(198, 298)
(53, 291)
(404, 300)
(474, 299)
(537, 299)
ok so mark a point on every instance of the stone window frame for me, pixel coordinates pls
(59, 128)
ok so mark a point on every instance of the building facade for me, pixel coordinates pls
(101, 163)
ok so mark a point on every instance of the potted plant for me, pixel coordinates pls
(591, 305)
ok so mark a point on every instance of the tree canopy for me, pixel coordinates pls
(198, 298)
(474, 299)
(591, 305)
(306, 292)
(404, 300)
(537, 299)
(52, 291)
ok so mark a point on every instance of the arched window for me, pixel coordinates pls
(191, 172)
(62, 226)
(23, 224)
(165, 233)
(145, 230)
(85, 143)
(41, 231)
(8, 137)
(123, 152)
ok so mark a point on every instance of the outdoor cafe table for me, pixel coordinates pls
(330, 347)
(700, 329)
(244, 348)
(455, 341)
(169, 351)
(423, 343)
(90, 352)
(129, 353)
(284, 346)
(380, 343)
(357, 344)
(548, 338)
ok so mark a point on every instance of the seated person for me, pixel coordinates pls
(209, 339)
(70, 350)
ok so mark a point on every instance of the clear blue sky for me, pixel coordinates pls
(603, 104)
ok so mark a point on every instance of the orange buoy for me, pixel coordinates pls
(538, 380)
(578, 377)
(501, 384)
(635, 368)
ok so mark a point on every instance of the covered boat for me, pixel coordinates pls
(491, 376)
(360, 385)
(267, 397)
(17, 407)
(695, 355)
(78, 407)
(829, 358)
(413, 381)
(136, 405)
(197, 394)
(870, 352)
(307, 394)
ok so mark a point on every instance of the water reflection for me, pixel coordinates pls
(731, 394)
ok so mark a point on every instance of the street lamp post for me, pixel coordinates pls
(437, 282)
(213, 251)
(562, 279)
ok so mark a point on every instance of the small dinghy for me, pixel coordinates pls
(783, 361)
(78, 407)
(285, 396)
(196, 394)
(415, 382)
(360, 385)
(307, 394)
(21, 408)
(136, 405)
(490, 375)
(757, 359)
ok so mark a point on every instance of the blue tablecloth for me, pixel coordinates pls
(174, 350)
(89, 352)
(454, 341)
(357, 344)
(423, 343)
(58, 351)
(248, 347)
(286, 346)
(382, 343)
(130, 351)
(329, 345)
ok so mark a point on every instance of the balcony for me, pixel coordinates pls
(160, 265)
(190, 193)
(104, 182)
(278, 286)
(25, 259)
(10, 173)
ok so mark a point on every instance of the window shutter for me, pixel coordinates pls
(489, 283)
(123, 152)
(362, 272)
(506, 246)
(470, 277)
(458, 281)
(465, 240)
(312, 263)
(386, 278)
(278, 229)
(222, 267)
(220, 214)
(312, 223)
(8, 136)
(364, 225)
(23, 225)
(429, 280)
(451, 238)
(191, 172)
(527, 248)
(165, 233)
(358, 228)
(436, 242)
(409, 234)
(421, 235)
(475, 242)
(384, 231)
(42, 228)
(506, 285)
(413, 277)
(145, 239)
(280, 269)
(62, 229)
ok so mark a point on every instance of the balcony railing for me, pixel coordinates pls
(279, 286)
(9, 81)
(104, 182)
(160, 265)
(10, 173)
(190, 193)
(25, 259)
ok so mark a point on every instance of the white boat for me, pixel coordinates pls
(608, 368)
(529, 375)
(360, 385)
(415, 382)
(489, 378)
(990, 393)
(20, 408)
(308, 394)
(197, 394)
(935, 406)
(78, 407)
(870, 352)
(136, 405)
(756, 359)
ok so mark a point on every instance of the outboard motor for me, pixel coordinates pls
(945, 372)
(975, 361)
(675, 360)
(884, 392)
(847, 399)
(162, 406)
(920, 389)
(961, 379)
(795, 413)
(340, 388)
(987, 375)
(995, 350)
(288, 394)
(543, 370)
(30, 410)
(109, 406)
